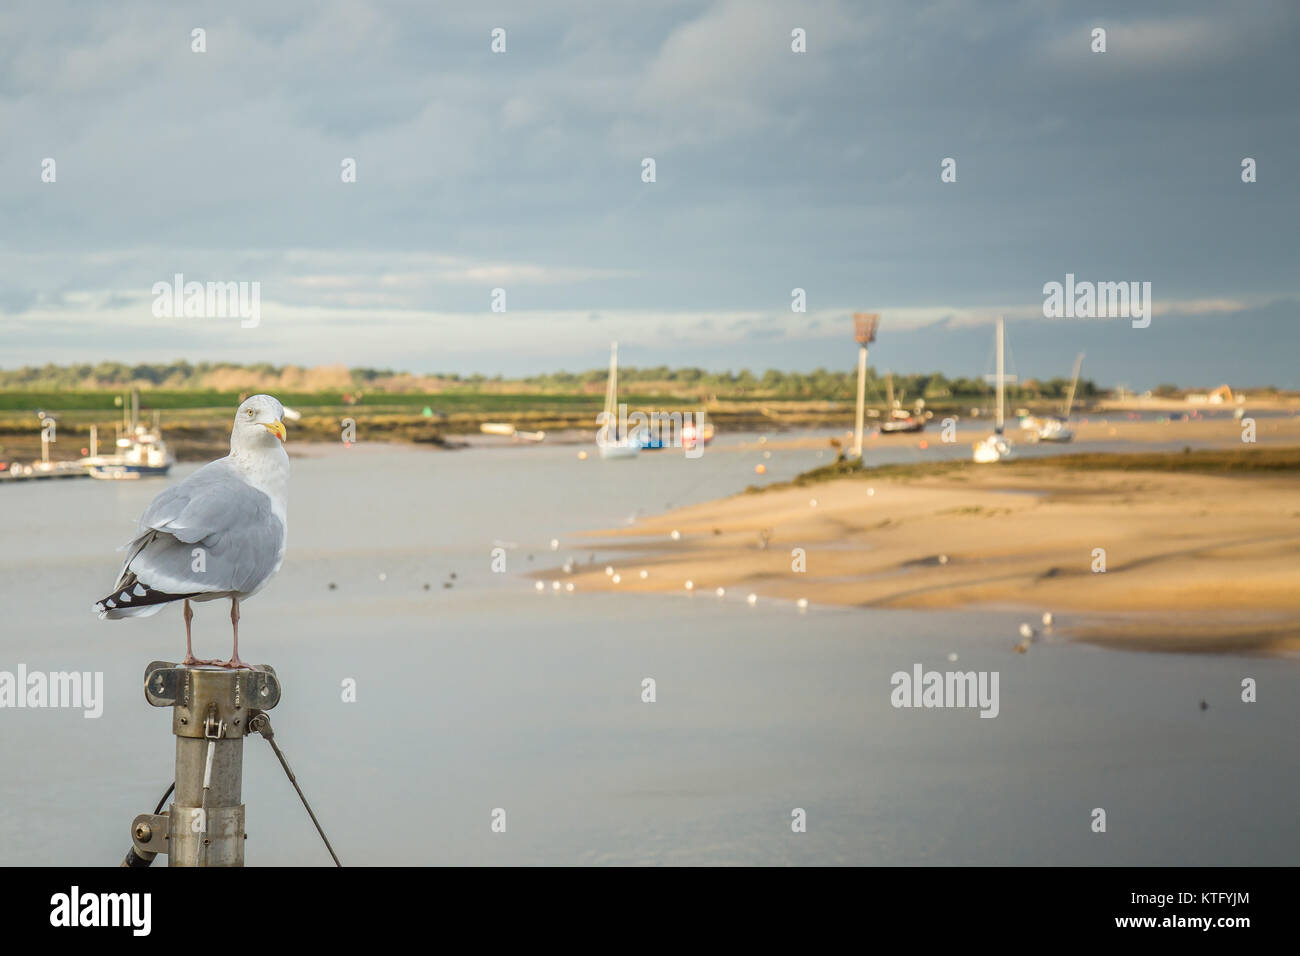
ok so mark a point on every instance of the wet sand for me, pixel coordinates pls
(1192, 562)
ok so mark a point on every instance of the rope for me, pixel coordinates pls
(261, 724)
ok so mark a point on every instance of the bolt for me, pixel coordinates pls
(144, 833)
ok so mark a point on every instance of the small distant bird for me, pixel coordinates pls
(220, 533)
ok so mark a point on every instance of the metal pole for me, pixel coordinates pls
(862, 396)
(211, 711)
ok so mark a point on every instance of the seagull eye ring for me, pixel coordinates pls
(250, 413)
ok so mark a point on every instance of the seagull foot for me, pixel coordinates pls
(235, 664)
(192, 661)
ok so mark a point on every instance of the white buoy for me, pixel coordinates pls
(568, 586)
(871, 492)
(752, 599)
(555, 585)
(1047, 619)
(943, 559)
(617, 579)
(644, 574)
(676, 535)
(952, 657)
(540, 586)
(383, 576)
(1026, 631)
(690, 585)
(802, 603)
(555, 544)
(608, 570)
(813, 503)
(721, 592)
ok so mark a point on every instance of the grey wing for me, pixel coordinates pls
(213, 532)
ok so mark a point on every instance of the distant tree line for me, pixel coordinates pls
(773, 383)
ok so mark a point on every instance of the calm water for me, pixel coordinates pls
(490, 695)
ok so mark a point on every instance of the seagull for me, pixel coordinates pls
(220, 533)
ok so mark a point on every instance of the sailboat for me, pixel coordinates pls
(1057, 429)
(995, 448)
(610, 442)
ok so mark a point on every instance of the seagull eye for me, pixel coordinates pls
(249, 413)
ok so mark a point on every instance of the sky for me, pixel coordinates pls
(774, 170)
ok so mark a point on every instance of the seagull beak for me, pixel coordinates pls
(276, 428)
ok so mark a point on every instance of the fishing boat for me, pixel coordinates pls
(1057, 429)
(995, 447)
(612, 444)
(899, 421)
(141, 452)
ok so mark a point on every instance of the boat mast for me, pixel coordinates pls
(611, 394)
(1001, 375)
(889, 387)
(1074, 383)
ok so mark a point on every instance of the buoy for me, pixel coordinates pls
(383, 576)
(721, 592)
(582, 456)
(1047, 619)
(924, 445)
(690, 585)
(644, 574)
(1026, 631)
(555, 544)
(608, 570)
(802, 603)
(555, 585)
(540, 586)
(617, 578)
(760, 469)
(752, 599)
(952, 657)
(676, 535)
(943, 559)
(568, 586)
(813, 503)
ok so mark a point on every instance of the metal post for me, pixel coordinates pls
(864, 330)
(862, 399)
(212, 708)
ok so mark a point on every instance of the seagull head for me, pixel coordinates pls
(258, 419)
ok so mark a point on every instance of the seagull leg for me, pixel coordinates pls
(234, 661)
(190, 659)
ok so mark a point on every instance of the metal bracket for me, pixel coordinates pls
(150, 833)
(236, 693)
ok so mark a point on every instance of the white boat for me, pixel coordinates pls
(1057, 429)
(141, 452)
(995, 447)
(1054, 430)
(612, 444)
